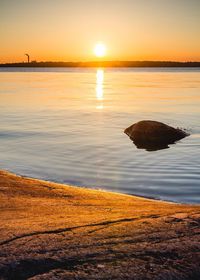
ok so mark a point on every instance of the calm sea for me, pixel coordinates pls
(66, 125)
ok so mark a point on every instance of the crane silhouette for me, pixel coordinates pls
(28, 57)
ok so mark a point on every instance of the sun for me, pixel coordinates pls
(100, 50)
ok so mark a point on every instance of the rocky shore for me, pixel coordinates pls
(54, 231)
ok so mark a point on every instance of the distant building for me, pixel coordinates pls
(28, 57)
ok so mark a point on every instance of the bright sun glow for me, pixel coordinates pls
(100, 50)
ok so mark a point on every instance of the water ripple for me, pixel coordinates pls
(55, 128)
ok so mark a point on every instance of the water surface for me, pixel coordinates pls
(66, 125)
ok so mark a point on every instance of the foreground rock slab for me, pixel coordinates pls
(153, 135)
(52, 231)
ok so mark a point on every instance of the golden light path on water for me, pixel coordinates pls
(75, 118)
(99, 88)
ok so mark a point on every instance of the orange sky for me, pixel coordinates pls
(67, 30)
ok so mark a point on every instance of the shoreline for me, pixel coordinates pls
(100, 189)
(56, 231)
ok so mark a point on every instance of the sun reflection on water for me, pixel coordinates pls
(99, 87)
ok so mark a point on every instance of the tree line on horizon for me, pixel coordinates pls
(103, 64)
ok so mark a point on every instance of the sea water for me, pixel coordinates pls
(66, 125)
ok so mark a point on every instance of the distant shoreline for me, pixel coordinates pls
(111, 64)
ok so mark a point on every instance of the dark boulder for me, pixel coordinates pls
(153, 135)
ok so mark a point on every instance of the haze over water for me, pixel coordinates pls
(66, 125)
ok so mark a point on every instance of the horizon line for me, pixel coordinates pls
(104, 63)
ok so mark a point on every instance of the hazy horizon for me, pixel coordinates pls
(100, 61)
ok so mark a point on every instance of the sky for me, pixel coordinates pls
(67, 30)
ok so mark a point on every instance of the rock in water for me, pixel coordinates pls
(153, 135)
